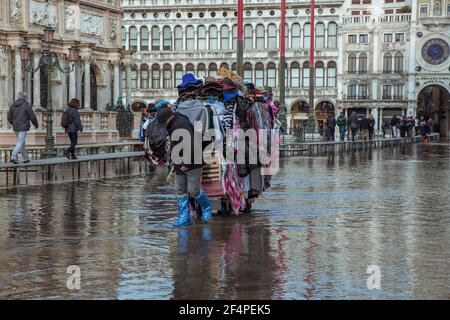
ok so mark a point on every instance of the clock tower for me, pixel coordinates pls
(429, 83)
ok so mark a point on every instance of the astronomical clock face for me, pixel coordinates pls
(435, 51)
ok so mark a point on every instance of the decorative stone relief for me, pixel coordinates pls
(16, 10)
(92, 25)
(113, 23)
(43, 14)
(72, 17)
(437, 8)
(3, 58)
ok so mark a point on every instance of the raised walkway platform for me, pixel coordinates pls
(61, 169)
(316, 148)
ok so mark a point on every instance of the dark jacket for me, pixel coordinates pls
(353, 121)
(182, 122)
(20, 115)
(331, 122)
(74, 121)
(341, 121)
(365, 124)
(395, 121)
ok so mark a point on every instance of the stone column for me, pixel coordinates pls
(36, 81)
(87, 84)
(128, 70)
(18, 74)
(117, 80)
(73, 83)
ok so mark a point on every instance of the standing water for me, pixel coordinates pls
(315, 234)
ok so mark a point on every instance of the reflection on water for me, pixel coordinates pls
(312, 236)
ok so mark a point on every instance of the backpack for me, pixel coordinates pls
(156, 137)
(65, 121)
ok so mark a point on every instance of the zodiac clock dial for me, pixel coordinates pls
(435, 51)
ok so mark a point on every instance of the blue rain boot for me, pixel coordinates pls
(184, 212)
(203, 200)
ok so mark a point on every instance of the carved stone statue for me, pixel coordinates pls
(15, 11)
(437, 8)
(71, 17)
(113, 35)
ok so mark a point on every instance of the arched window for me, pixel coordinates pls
(362, 64)
(212, 70)
(295, 36)
(248, 72)
(398, 62)
(156, 39)
(387, 63)
(178, 32)
(248, 37)
(224, 65)
(178, 74)
(190, 68)
(225, 38)
(144, 76)
(144, 38)
(213, 34)
(295, 74)
(260, 37)
(332, 35)
(320, 74)
(134, 77)
(259, 74)
(234, 34)
(331, 74)
(351, 63)
(167, 76)
(190, 38)
(156, 76)
(286, 37)
(320, 35)
(201, 38)
(306, 35)
(123, 36)
(306, 74)
(133, 38)
(201, 70)
(272, 37)
(167, 39)
(271, 75)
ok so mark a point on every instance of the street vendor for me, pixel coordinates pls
(188, 174)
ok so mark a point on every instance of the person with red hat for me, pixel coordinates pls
(73, 127)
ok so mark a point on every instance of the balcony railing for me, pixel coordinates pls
(399, 17)
(357, 19)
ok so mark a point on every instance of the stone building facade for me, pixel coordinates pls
(92, 25)
(368, 52)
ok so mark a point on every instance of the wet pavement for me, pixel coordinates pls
(312, 236)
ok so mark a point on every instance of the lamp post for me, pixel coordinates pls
(48, 63)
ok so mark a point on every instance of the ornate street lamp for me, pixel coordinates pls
(48, 63)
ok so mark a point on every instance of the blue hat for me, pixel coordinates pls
(161, 103)
(189, 80)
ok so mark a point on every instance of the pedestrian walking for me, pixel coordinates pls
(353, 123)
(394, 126)
(73, 127)
(20, 115)
(416, 125)
(342, 124)
(331, 126)
(365, 127)
(409, 126)
(402, 126)
(424, 129)
(187, 175)
(371, 120)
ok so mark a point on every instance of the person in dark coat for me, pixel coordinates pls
(188, 168)
(342, 124)
(395, 121)
(74, 127)
(331, 127)
(365, 127)
(353, 123)
(20, 115)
